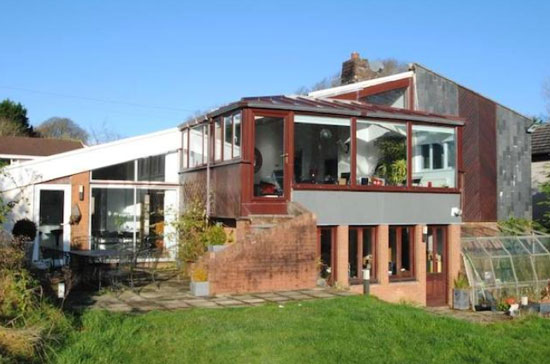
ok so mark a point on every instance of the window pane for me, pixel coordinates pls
(435, 168)
(117, 172)
(326, 253)
(405, 251)
(426, 156)
(352, 254)
(394, 98)
(322, 149)
(152, 168)
(195, 141)
(430, 263)
(392, 268)
(113, 216)
(228, 139)
(185, 149)
(237, 135)
(218, 140)
(437, 150)
(368, 252)
(150, 217)
(205, 145)
(381, 153)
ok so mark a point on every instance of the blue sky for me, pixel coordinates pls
(141, 66)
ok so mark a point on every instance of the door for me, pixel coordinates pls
(53, 215)
(271, 158)
(436, 266)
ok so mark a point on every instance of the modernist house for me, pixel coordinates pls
(391, 168)
(377, 175)
(20, 149)
(540, 166)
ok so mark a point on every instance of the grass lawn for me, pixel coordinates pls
(347, 329)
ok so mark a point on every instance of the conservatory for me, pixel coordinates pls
(498, 267)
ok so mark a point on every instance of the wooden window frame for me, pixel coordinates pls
(333, 248)
(361, 230)
(353, 186)
(399, 276)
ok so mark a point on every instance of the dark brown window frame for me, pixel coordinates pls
(333, 248)
(409, 275)
(361, 230)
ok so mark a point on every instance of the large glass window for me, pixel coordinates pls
(150, 218)
(113, 216)
(434, 156)
(401, 246)
(394, 98)
(196, 150)
(116, 172)
(152, 168)
(322, 149)
(381, 153)
(361, 253)
(131, 215)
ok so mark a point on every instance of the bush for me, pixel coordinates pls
(215, 234)
(24, 229)
(28, 322)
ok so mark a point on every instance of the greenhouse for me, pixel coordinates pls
(499, 267)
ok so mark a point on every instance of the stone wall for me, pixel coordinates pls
(435, 93)
(281, 258)
(513, 165)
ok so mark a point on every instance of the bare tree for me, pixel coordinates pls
(102, 134)
(381, 67)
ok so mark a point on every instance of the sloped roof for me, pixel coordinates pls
(332, 107)
(540, 140)
(37, 147)
(89, 158)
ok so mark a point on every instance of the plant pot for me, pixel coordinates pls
(200, 289)
(533, 307)
(216, 248)
(544, 308)
(461, 299)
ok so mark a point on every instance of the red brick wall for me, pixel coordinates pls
(281, 258)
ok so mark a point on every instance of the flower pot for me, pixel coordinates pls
(461, 299)
(544, 308)
(216, 248)
(200, 289)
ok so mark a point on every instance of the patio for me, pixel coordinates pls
(173, 294)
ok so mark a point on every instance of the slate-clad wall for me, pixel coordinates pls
(513, 165)
(435, 93)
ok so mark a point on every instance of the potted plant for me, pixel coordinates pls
(461, 293)
(199, 282)
(544, 303)
(215, 237)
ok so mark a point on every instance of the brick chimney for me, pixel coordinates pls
(356, 69)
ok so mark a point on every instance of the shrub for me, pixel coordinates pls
(461, 282)
(24, 229)
(215, 234)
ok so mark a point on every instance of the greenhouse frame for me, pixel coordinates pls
(499, 267)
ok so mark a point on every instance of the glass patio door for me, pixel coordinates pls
(436, 266)
(52, 216)
(270, 156)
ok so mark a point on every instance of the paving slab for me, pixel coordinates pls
(174, 305)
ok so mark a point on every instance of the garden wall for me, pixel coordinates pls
(281, 258)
